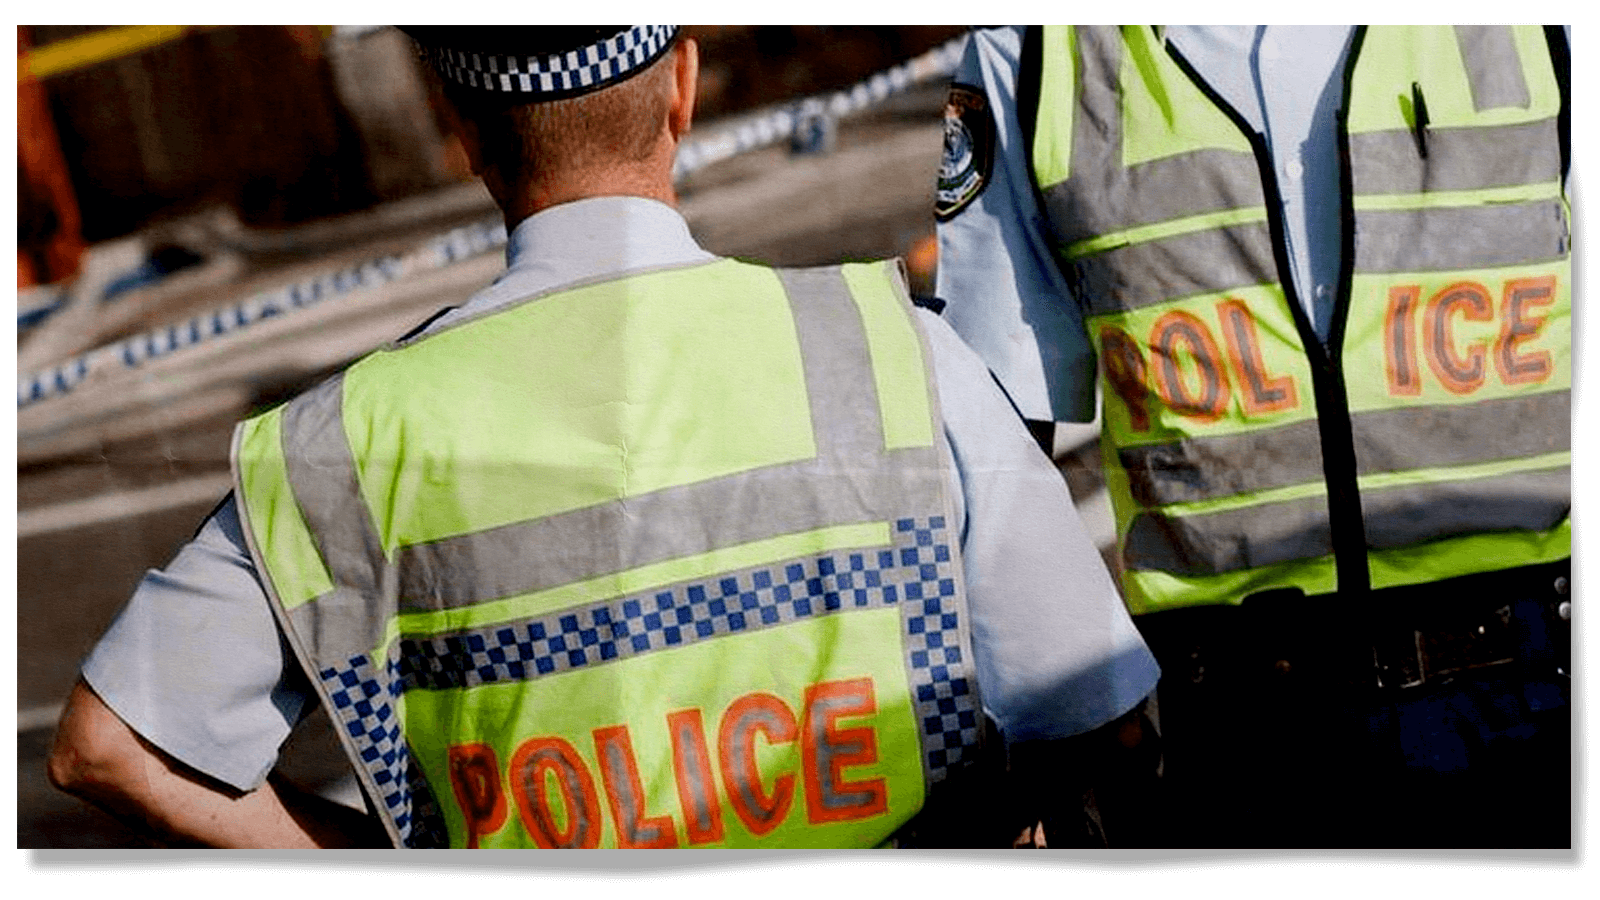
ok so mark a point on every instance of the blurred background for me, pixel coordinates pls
(212, 218)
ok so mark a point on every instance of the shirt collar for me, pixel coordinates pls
(600, 236)
(582, 241)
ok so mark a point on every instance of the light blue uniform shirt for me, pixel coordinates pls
(997, 273)
(195, 664)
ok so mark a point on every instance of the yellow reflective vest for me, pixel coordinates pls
(1430, 437)
(661, 561)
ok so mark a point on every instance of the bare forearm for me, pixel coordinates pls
(97, 757)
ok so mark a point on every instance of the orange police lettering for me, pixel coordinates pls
(1400, 344)
(1461, 367)
(1518, 324)
(1171, 330)
(761, 812)
(625, 794)
(691, 769)
(1125, 372)
(828, 749)
(475, 779)
(1458, 373)
(1263, 393)
(1183, 350)
(537, 759)
(559, 806)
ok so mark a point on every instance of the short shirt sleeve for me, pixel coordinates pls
(195, 662)
(1003, 292)
(1057, 652)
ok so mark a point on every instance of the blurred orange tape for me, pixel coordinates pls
(94, 48)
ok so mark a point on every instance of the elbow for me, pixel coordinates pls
(76, 769)
(94, 756)
(65, 767)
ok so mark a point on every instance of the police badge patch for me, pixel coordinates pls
(968, 150)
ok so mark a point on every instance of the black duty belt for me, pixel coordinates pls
(1441, 629)
(1396, 637)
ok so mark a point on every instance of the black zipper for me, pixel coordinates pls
(1347, 530)
(1561, 61)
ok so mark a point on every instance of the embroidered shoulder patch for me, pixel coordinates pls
(968, 150)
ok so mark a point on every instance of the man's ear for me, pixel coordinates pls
(472, 144)
(471, 140)
(685, 81)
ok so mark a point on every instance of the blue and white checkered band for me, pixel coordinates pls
(915, 574)
(555, 76)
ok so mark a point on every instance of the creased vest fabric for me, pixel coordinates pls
(666, 560)
(1430, 438)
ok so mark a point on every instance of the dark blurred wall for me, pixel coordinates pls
(244, 115)
(276, 122)
(744, 66)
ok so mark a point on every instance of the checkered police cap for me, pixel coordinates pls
(528, 63)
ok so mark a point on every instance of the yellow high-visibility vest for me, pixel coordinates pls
(1430, 438)
(661, 561)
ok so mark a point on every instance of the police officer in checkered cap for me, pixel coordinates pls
(505, 83)
(540, 63)
(639, 547)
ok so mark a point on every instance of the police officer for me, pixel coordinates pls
(640, 547)
(1324, 274)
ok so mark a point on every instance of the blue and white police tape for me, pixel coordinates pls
(39, 303)
(452, 247)
(773, 126)
(739, 137)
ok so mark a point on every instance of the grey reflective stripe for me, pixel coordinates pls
(1391, 440)
(487, 565)
(1271, 533)
(833, 345)
(1202, 468)
(322, 476)
(495, 563)
(918, 574)
(1459, 159)
(1415, 514)
(1494, 68)
(1213, 543)
(1162, 190)
(1101, 195)
(1134, 276)
(465, 570)
(1096, 138)
(1451, 238)
(917, 571)
(1422, 437)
